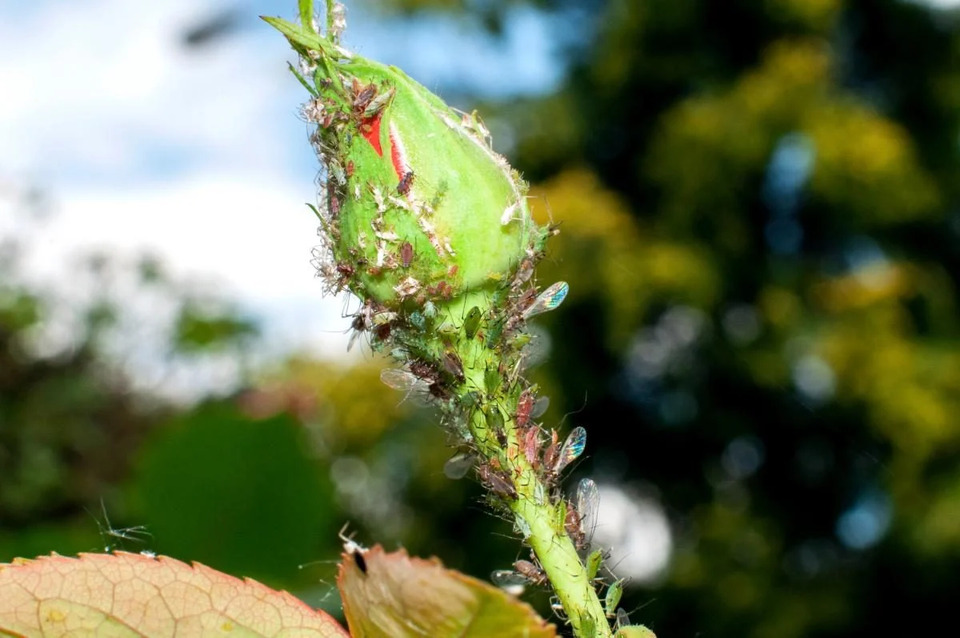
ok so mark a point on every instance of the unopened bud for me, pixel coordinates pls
(418, 206)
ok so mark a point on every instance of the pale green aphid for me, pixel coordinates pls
(612, 598)
(594, 560)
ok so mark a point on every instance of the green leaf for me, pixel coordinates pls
(395, 596)
(273, 500)
(306, 14)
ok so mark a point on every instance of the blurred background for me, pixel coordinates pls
(760, 225)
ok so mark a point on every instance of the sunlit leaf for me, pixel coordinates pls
(126, 594)
(393, 595)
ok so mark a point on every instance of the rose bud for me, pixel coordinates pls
(418, 206)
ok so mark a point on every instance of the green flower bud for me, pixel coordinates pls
(418, 205)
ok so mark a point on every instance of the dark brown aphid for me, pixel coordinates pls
(359, 325)
(452, 364)
(531, 572)
(404, 186)
(439, 390)
(363, 96)
(382, 332)
(424, 370)
(406, 254)
(350, 169)
(497, 482)
(345, 271)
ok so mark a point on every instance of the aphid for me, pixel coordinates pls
(495, 421)
(494, 332)
(470, 399)
(524, 272)
(572, 449)
(612, 598)
(494, 418)
(509, 581)
(336, 171)
(358, 325)
(574, 527)
(472, 323)
(548, 300)
(363, 96)
(588, 505)
(507, 216)
(588, 626)
(531, 445)
(406, 254)
(453, 365)
(354, 550)
(417, 320)
(491, 380)
(524, 407)
(594, 560)
(531, 572)
(405, 183)
(458, 465)
(560, 513)
(406, 382)
(424, 370)
(497, 482)
(345, 271)
(550, 454)
(137, 533)
(333, 200)
(376, 104)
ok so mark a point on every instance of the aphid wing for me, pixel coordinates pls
(400, 380)
(548, 300)
(588, 506)
(572, 448)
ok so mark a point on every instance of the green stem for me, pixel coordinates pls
(539, 514)
(562, 564)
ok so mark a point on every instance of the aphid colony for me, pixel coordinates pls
(430, 228)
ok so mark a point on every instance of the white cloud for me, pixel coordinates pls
(195, 155)
(144, 145)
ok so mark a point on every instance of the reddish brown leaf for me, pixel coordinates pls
(127, 594)
(395, 596)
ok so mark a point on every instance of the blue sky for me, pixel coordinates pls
(197, 154)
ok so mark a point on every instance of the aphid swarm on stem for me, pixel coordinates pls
(430, 228)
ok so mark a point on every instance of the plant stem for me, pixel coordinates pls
(539, 512)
